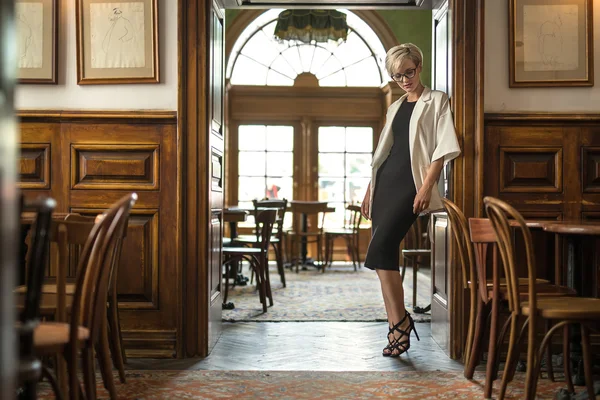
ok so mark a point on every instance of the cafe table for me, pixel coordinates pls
(575, 232)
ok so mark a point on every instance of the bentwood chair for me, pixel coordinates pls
(577, 310)
(30, 366)
(77, 230)
(257, 256)
(472, 245)
(86, 328)
(277, 238)
(492, 300)
(349, 232)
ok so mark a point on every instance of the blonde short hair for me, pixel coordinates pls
(398, 54)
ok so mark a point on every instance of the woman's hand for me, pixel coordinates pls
(365, 207)
(422, 199)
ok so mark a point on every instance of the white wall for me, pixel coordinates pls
(500, 98)
(68, 95)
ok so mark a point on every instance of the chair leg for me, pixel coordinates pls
(501, 338)
(567, 359)
(489, 372)
(57, 391)
(279, 257)
(256, 266)
(116, 338)
(532, 368)
(475, 353)
(89, 376)
(267, 281)
(587, 361)
(415, 264)
(512, 354)
(549, 354)
(105, 363)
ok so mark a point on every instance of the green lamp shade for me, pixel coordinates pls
(308, 25)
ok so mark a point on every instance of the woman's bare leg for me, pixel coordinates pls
(393, 296)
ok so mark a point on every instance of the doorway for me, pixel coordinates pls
(303, 120)
(462, 53)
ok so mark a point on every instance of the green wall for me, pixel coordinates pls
(409, 26)
(413, 26)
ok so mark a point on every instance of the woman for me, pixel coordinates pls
(416, 142)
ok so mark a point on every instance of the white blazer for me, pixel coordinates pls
(431, 137)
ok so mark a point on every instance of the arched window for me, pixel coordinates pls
(257, 58)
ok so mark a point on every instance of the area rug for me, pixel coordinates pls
(339, 294)
(308, 385)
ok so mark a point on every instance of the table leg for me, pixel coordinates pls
(304, 249)
(22, 278)
(575, 281)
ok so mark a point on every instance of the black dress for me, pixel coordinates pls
(392, 208)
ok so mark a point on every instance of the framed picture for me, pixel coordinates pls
(551, 43)
(117, 41)
(37, 38)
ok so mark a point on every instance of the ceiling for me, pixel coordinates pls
(372, 4)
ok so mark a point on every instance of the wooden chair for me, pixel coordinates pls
(416, 254)
(277, 238)
(52, 304)
(482, 236)
(30, 366)
(349, 232)
(460, 233)
(87, 328)
(303, 233)
(577, 310)
(257, 257)
(114, 321)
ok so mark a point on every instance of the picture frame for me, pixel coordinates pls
(37, 41)
(117, 41)
(551, 43)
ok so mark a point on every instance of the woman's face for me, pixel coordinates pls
(408, 76)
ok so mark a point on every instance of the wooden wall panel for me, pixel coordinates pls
(100, 167)
(87, 161)
(34, 166)
(548, 167)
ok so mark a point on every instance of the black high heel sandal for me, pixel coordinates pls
(395, 343)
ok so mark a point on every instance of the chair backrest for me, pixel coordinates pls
(38, 256)
(483, 237)
(499, 213)
(355, 217)
(459, 229)
(114, 270)
(265, 219)
(93, 272)
(281, 205)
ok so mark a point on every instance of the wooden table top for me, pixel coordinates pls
(573, 227)
(234, 214)
(28, 218)
(570, 227)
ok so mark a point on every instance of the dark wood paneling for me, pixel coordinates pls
(591, 169)
(34, 166)
(526, 169)
(548, 167)
(93, 158)
(102, 167)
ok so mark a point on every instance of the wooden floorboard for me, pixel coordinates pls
(310, 346)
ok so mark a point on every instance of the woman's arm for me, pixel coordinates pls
(424, 194)
(365, 207)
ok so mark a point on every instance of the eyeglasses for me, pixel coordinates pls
(409, 74)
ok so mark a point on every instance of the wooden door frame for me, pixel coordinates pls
(194, 212)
